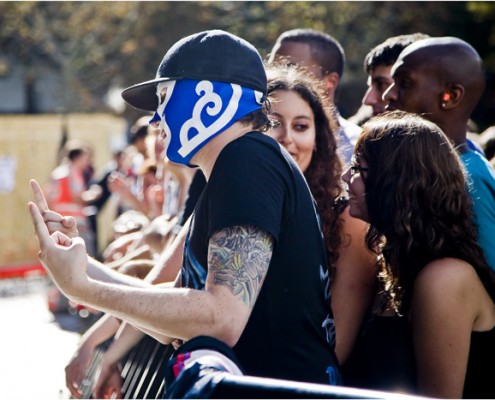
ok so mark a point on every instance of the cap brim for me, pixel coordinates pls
(143, 95)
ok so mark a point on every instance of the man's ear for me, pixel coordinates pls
(332, 80)
(452, 96)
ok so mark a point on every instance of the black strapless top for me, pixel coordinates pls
(383, 359)
(480, 375)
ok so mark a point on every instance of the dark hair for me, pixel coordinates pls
(487, 141)
(325, 169)
(418, 204)
(259, 118)
(387, 53)
(75, 148)
(325, 49)
(139, 130)
(148, 166)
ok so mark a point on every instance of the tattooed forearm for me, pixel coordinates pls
(238, 258)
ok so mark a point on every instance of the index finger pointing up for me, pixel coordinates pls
(39, 197)
(39, 224)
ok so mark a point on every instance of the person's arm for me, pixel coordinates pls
(108, 382)
(166, 270)
(353, 284)
(117, 185)
(122, 245)
(443, 311)
(75, 370)
(238, 260)
(141, 253)
(170, 261)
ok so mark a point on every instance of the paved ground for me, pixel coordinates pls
(34, 346)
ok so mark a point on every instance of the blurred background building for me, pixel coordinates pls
(63, 65)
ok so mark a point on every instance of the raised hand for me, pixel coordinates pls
(54, 221)
(64, 258)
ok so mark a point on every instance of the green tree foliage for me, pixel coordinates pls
(97, 45)
(84, 41)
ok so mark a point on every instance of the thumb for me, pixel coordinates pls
(78, 242)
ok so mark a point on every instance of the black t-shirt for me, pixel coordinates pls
(290, 334)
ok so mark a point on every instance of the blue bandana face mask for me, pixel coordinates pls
(192, 113)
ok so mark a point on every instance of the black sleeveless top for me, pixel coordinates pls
(383, 359)
(480, 382)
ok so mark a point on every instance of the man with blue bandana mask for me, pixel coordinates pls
(250, 272)
(196, 111)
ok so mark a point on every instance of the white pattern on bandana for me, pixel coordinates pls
(194, 112)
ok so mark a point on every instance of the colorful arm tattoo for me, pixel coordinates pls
(238, 258)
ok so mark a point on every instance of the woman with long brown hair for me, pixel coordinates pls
(304, 125)
(432, 328)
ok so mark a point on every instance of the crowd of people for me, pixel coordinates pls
(260, 233)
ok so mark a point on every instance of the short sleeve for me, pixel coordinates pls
(250, 185)
(482, 191)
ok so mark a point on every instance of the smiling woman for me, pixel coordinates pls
(295, 128)
(305, 126)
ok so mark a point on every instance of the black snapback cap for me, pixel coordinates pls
(213, 55)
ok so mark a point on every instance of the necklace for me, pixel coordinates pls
(461, 147)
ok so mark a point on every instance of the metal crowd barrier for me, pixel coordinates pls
(143, 375)
(143, 370)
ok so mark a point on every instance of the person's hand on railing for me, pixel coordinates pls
(75, 371)
(109, 380)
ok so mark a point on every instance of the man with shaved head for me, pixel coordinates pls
(442, 79)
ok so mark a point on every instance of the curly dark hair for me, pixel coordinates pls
(324, 173)
(418, 204)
